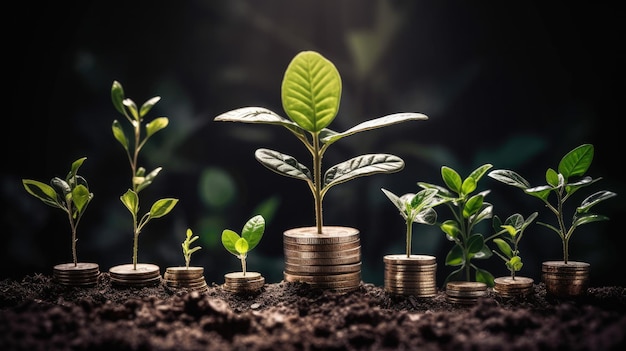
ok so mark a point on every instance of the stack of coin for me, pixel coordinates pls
(467, 293)
(191, 278)
(412, 275)
(331, 260)
(79, 274)
(510, 287)
(238, 282)
(126, 275)
(565, 279)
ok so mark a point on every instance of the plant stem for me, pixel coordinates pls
(317, 179)
(243, 264)
(73, 227)
(409, 235)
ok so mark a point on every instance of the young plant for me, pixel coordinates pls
(415, 208)
(509, 235)
(140, 180)
(561, 186)
(251, 234)
(468, 210)
(187, 249)
(70, 195)
(310, 94)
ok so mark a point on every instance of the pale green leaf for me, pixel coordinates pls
(361, 166)
(162, 207)
(283, 164)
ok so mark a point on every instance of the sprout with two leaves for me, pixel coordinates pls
(70, 195)
(310, 94)
(509, 235)
(140, 180)
(560, 187)
(251, 234)
(415, 208)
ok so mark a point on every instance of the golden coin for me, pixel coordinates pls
(410, 260)
(322, 270)
(355, 276)
(330, 235)
(335, 253)
(323, 261)
(339, 247)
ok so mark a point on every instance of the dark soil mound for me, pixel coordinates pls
(39, 314)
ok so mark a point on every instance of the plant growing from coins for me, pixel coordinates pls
(187, 249)
(310, 94)
(140, 179)
(415, 208)
(71, 195)
(251, 234)
(509, 235)
(468, 210)
(561, 185)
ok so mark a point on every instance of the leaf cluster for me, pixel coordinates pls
(561, 185)
(468, 209)
(240, 245)
(310, 94)
(186, 245)
(509, 235)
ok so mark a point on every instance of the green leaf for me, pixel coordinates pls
(131, 201)
(156, 125)
(472, 205)
(553, 178)
(484, 277)
(283, 164)
(594, 199)
(147, 106)
(132, 107)
(253, 231)
(118, 133)
(509, 177)
(229, 238)
(42, 191)
(515, 263)
(162, 207)
(577, 161)
(81, 197)
(117, 96)
(451, 228)
(76, 165)
(61, 186)
(504, 247)
(241, 245)
(361, 166)
(485, 212)
(443, 193)
(259, 115)
(452, 179)
(311, 91)
(571, 188)
(588, 218)
(400, 205)
(468, 186)
(455, 256)
(479, 172)
(542, 192)
(374, 124)
(145, 180)
(475, 243)
(482, 254)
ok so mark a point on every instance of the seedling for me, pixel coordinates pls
(468, 210)
(310, 93)
(70, 195)
(415, 208)
(187, 249)
(251, 234)
(574, 164)
(509, 235)
(140, 180)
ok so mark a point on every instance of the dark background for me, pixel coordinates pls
(515, 84)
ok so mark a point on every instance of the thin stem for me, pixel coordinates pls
(409, 235)
(243, 263)
(317, 179)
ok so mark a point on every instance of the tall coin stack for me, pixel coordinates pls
(463, 292)
(79, 274)
(191, 278)
(126, 275)
(412, 275)
(565, 279)
(331, 260)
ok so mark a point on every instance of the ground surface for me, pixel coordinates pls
(39, 314)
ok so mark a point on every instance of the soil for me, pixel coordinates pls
(37, 313)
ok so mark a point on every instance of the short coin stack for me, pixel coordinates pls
(191, 278)
(238, 282)
(510, 287)
(331, 260)
(126, 275)
(412, 275)
(463, 292)
(565, 279)
(79, 274)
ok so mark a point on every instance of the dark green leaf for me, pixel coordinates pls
(253, 231)
(475, 243)
(117, 96)
(484, 277)
(577, 161)
(455, 256)
(42, 191)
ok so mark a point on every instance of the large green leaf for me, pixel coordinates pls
(81, 197)
(452, 179)
(311, 91)
(162, 207)
(361, 166)
(375, 123)
(484, 277)
(504, 247)
(480, 171)
(253, 231)
(472, 205)
(577, 161)
(42, 191)
(283, 164)
(229, 238)
(76, 165)
(455, 256)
